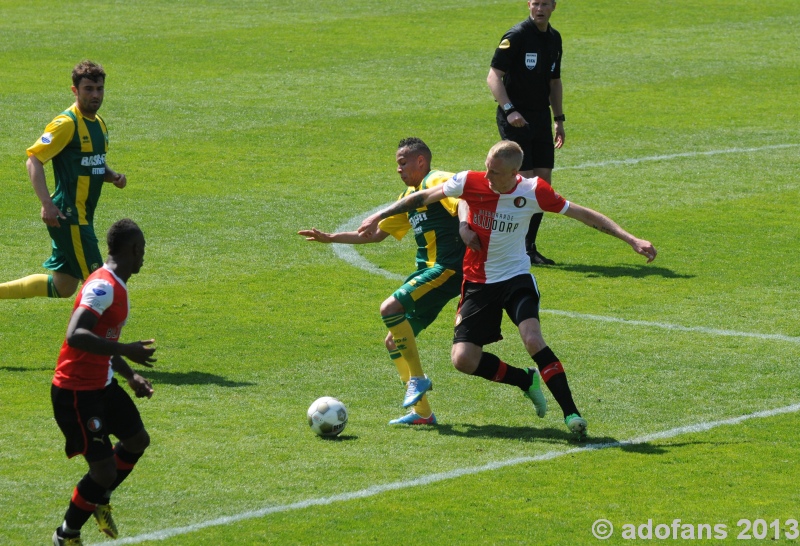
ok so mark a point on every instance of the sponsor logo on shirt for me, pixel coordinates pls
(99, 291)
(93, 160)
(416, 220)
(494, 221)
(47, 138)
(505, 44)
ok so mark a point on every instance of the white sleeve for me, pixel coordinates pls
(97, 295)
(454, 187)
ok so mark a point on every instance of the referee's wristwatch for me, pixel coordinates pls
(562, 117)
(508, 109)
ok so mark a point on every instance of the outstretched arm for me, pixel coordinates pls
(406, 204)
(344, 237)
(603, 223)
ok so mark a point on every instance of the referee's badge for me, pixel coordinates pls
(530, 60)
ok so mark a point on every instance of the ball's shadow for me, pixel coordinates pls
(340, 438)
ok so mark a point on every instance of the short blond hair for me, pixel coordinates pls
(508, 152)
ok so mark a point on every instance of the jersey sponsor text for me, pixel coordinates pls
(94, 160)
(494, 221)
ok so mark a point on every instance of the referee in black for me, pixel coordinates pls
(525, 79)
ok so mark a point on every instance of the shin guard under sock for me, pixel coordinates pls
(85, 498)
(404, 340)
(552, 372)
(125, 462)
(492, 368)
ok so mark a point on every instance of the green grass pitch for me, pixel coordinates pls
(240, 122)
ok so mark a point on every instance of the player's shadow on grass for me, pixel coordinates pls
(191, 378)
(646, 448)
(164, 378)
(28, 368)
(547, 435)
(634, 271)
(554, 436)
(525, 434)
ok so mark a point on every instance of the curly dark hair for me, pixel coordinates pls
(416, 146)
(87, 69)
(121, 234)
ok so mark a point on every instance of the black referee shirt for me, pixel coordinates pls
(530, 59)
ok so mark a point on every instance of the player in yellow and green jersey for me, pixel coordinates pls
(76, 142)
(437, 279)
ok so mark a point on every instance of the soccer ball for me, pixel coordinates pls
(327, 416)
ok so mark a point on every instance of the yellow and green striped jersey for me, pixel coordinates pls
(435, 227)
(77, 146)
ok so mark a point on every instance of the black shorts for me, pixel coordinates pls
(535, 138)
(480, 311)
(87, 418)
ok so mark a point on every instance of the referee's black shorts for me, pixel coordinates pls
(535, 138)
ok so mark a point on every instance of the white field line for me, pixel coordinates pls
(349, 254)
(667, 326)
(634, 161)
(452, 474)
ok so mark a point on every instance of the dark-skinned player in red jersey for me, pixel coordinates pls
(88, 402)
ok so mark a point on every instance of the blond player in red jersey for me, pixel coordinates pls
(88, 403)
(497, 278)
